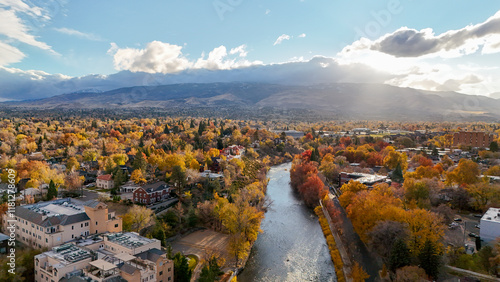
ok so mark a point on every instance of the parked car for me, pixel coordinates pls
(478, 215)
(473, 235)
(458, 219)
(477, 226)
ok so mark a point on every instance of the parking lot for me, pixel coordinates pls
(460, 234)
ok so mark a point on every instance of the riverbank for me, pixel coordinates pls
(340, 268)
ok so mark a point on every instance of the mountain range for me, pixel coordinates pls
(344, 100)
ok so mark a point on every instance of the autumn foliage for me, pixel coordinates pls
(304, 179)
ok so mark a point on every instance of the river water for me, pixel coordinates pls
(292, 246)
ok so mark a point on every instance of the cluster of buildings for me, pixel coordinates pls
(49, 224)
(111, 257)
(233, 152)
(86, 243)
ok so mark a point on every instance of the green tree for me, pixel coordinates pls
(178, 178)
(397, 174)
(52, 191)
(139, 161)
(429, 259)
(104, 152)
(166, 130)
(182, 273)
(400, 255)
(211, 271)
(494, 146)
(120, 177)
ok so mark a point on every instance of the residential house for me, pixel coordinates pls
(152, 193)
(105, 181)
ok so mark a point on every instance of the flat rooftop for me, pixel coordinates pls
(493, 214)
(67, 254)
(129, 240)
(58, 207)
(366, 178)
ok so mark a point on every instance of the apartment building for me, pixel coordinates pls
(61, 262)
(101, 219)
(109, 257)
(473, 139)
(53, 223)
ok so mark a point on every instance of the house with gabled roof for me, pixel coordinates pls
(152, 193)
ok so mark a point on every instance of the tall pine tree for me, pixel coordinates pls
(400, 255)
(429, 259)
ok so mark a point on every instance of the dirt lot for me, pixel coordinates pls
(204, 243)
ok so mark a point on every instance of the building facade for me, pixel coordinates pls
(105, 181)
(53, 223)
(152, 193)
(473, 139)
(490, 225)
(113, 257)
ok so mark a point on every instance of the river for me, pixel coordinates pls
(292, 246)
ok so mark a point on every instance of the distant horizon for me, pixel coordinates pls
(52, 48)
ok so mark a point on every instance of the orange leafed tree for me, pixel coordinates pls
(312, 190)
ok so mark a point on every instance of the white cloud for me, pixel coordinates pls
(302, 35)
(281, 38)
(20, 6)
(159, 57)
(407, 42)
(12, 27)
(16, 26)
(239, 50)
(74, 32)
(9, 54)
(268, 12)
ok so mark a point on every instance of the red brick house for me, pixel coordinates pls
(152, 193)
(105, 181)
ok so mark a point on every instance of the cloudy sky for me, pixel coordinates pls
(50, 47)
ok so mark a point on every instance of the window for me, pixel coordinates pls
(72, 227)
(116, 225)
(96, 223)
(72, 235)
(161, 273)
(46, 240)
(82, 225)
